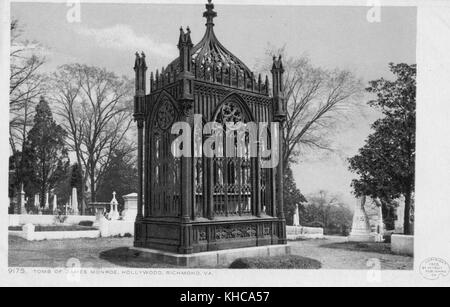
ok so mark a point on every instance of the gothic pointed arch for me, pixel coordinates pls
(233, 108)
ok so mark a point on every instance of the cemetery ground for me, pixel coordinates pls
(331, 252)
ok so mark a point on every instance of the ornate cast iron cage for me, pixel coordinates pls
(197, 204)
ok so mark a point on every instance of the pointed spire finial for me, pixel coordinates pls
(210, 14)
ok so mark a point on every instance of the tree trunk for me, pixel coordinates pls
(83, 185)
(43, 185)
(407, 218)
(92, 179)
(42, 197)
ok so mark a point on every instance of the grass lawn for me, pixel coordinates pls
(279, 263)
(124, 257)
(115, 252)
(55, 228)
(379, 248)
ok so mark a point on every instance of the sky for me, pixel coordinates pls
(108, 35)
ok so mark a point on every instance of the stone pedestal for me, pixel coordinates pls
(212, 259)
(131, 206)
(114, 214)
(361, 227)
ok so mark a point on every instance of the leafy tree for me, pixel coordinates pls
(121, 176)
(386, 163)
(292, 196)
(23, 173)
(46, 139)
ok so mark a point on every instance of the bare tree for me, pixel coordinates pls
(95, 107)
(26, 85)
(318, 100)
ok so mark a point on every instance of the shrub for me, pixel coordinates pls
(280, 262)
(387, 238)
(60, 218)
(63, 228)
(86, 223)
(15, 228)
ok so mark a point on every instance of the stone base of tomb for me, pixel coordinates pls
(221, 258)
(204, 235)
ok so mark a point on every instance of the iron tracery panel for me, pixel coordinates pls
(164, 176)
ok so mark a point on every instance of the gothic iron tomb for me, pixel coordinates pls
(197, 204)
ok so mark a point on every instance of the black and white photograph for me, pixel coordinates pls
(210, 139)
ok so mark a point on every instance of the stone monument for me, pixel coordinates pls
(296, 217)
(131, 204)
(75, 201)
(361, 227)
(47, 205)
(55, 203)
(23, 210)
(114, 211)
(36, 201)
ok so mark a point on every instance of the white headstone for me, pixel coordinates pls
(131, 204)
(296, 216)
(36, 201)
(75, 201)
(361, 227)
(55, 203)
